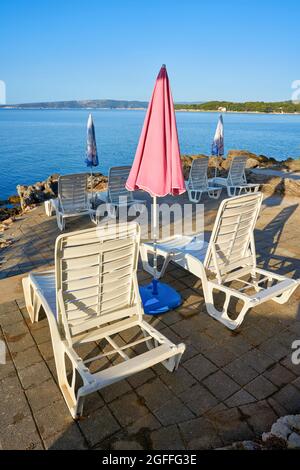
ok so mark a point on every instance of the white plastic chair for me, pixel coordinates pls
(117, 194)
(236, 181)
(227, 263)
(198, 183)
(73, 199)
(93, 296)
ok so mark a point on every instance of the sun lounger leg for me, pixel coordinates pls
(173, 363)
(215, 193)
(60, 221)
(48, 208)
(222, 316)
(32, 302)
(194, 195)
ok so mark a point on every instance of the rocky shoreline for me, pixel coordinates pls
(31, 195)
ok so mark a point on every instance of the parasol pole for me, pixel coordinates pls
(154, 224)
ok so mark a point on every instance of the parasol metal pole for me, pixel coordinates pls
(154, 221)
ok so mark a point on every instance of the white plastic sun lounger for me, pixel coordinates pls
(73, 199)
(92, 296)
(117, 194)
(198, 183)
(236, 181)
(228, 262)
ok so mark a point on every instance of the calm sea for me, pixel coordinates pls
(37, 143)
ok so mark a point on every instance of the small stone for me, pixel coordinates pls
(293, 441)
(293, 421)
(250, 445)
(281, 430)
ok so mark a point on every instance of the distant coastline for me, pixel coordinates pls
(233, 112)
(249, 107)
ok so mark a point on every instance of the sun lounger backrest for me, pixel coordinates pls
(117, 178)
(236, 174)
(230, 247)
(198, 173)
(72, 192)
(96, 275)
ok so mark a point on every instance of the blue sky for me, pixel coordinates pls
(70, 49)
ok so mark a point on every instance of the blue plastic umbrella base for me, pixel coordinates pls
(159, 298)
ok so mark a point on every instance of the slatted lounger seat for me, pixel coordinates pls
(92, 297)
(117, 194)
(198, 183)
(73, 199)
(227, 263)
(236, 181)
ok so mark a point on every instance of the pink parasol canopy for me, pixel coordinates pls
(157, 165)
(157, 169)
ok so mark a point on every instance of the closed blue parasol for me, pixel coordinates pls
(217, 148)
(91, 146)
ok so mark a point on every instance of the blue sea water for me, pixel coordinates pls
(37, 143)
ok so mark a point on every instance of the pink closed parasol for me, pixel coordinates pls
(157, 169)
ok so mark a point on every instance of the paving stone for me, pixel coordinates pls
(126, 445)
(53, 419)
(128, 408)
(7, 307)
(240, 371)
(18, 337)
(70, 439)
(155, 394)
(114, 391)
(21, 435)
(258, 360)
(296, 382)
(13, 403)
(144, 424)
(220, 355)
(242, 397)
(179, 380)
(287, 337)
(260, 388)
(167, 438)
(200, 367)
(199, 433)
(43, 395)
(11, 317)
(279, 375)
(98, 426)
(220, 385)
(26, 358)
(41, 335)
(46, 350)
(174, 411)
(289, 398)
(198, 399)
(92, 402)
(201, 341)
(34, 375)
(260, 416)
(142, 377)
(230, 425)
(8, 368)
(237, 344)
(277, 407)
(254, 336)
(274, 349)
(287, 362)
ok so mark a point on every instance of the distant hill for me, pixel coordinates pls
(82, 104)
(248, 106)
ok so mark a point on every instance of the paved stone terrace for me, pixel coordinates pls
(230, 385)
